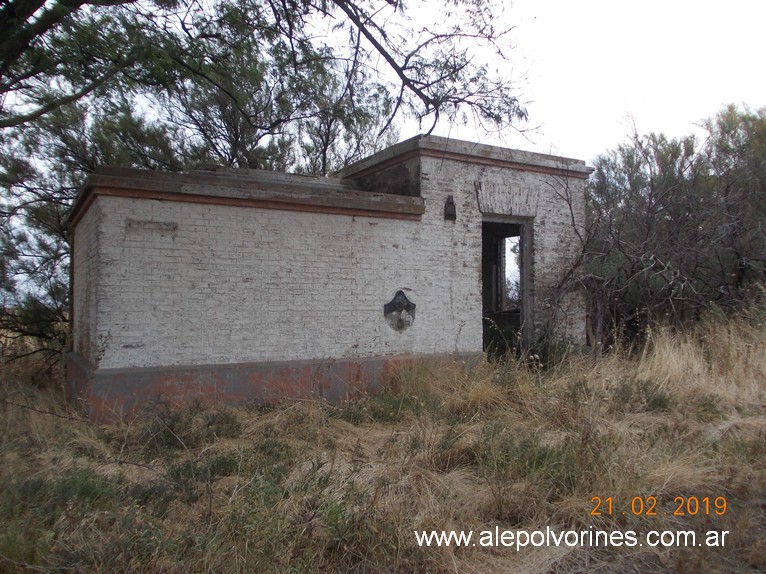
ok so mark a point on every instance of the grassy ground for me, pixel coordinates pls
(312, 487)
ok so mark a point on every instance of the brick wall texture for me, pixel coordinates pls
(161, 283)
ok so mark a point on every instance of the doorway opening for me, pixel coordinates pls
(504, 284)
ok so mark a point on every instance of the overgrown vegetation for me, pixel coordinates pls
(676, 226)
(307, 486)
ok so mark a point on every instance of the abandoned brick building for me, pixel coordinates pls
(237, 285)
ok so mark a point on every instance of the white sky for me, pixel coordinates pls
(588, 70)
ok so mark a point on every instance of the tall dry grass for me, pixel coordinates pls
(308, 486)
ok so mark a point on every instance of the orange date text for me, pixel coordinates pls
(650, 506)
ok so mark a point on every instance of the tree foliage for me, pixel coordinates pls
(53, 53)
(677, 224)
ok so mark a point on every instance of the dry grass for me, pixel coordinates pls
(313, 487)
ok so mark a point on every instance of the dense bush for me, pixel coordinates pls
(676, 225)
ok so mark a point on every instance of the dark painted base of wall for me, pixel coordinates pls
(111, 395)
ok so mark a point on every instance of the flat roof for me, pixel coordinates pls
(246, 188)
(339, 194)
(469, 152)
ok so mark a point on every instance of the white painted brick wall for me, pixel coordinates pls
(85, 283)
(191, 284)
(524, 194)
(170, 283)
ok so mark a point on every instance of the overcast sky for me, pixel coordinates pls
(587, 70)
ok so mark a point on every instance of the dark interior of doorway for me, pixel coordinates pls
(502, 272)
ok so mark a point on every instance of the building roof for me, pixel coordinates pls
(469, 152)
(350, 192)
(245, 187)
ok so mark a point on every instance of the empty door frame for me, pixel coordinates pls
(506, 321)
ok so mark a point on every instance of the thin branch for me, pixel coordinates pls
(42, 110)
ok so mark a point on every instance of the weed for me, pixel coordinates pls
(169, 431)
(707, 408)
(632, 395)
(83, 487)
(185, 478)
(225, 464)
(155, 496)
(385, 408)
(221, 424)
